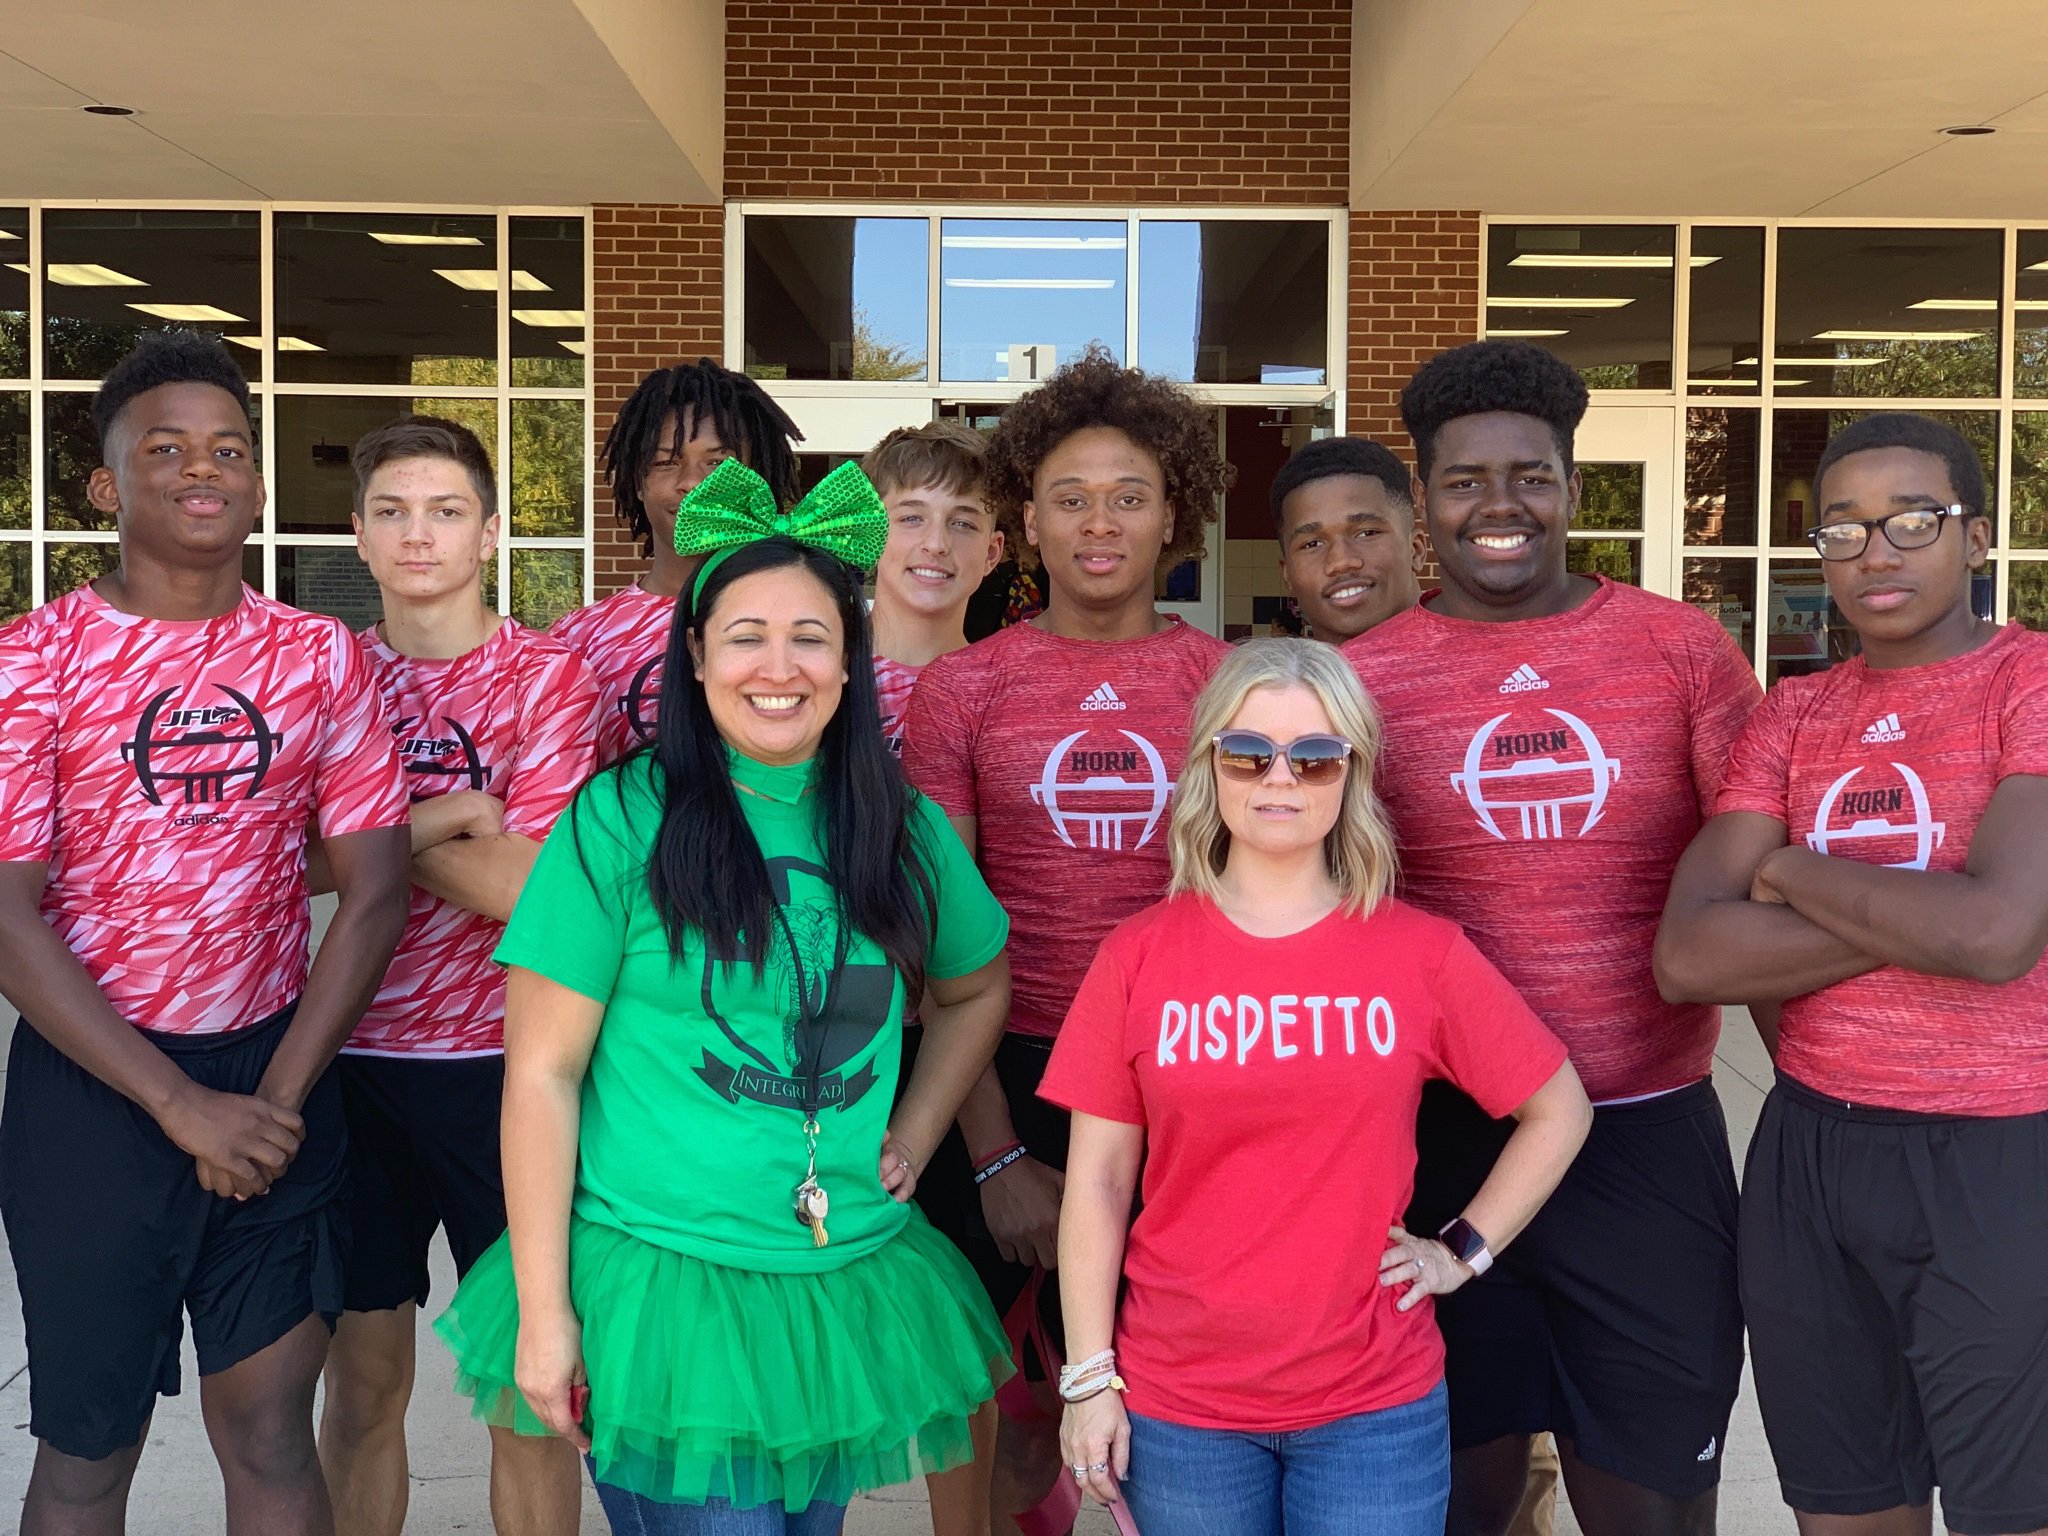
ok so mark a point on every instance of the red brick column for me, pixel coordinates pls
(1414, 288)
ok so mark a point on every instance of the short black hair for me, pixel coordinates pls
(1486, 376)
(754, 429)
(1908, 429)
(1328, 456)
(167, 357)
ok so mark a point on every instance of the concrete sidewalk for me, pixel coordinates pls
(177, 1491)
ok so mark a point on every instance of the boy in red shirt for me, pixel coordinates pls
(1879, 864)
(1053, 746)
(167, 735)
(1351, 547)
(1553, 743)
(497, 728)
(677, 427)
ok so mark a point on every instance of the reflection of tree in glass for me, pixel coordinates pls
(2027, 595)
(546, 583)
(2029, 484)
(73, 565)
(14, 581)
(874, 358)
(13, 344)
(547, 468)
(1612, 496)
(1612, 558)
(87, 349)
(1928, 370)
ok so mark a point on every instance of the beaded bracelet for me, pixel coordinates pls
(999, 1162)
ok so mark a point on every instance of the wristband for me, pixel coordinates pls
(998, 1163)
(1091, 1378)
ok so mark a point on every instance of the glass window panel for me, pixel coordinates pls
(1803, 630)
(549, 250)
(2030, 318)
(356, 309)
(2027, 593)
(332, 580)
(1022, 296)
(1612, 498)
(1721, 449)
(14, 276)
(1888, 312)
(1724, 341)
(314, 490)
(16, 558)
(836, 298)
(546, 583)
(547, 468)
(2029, 480)
(1797, 438)
(14, 459)
(71, 452)
(1725, 589)
(1235, 301)
(1598, 295)
(1617, 559)
(195, 269)
(67, 567)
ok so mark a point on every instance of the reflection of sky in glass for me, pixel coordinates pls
(1027, 282)
(1170, 298)
(891, 260)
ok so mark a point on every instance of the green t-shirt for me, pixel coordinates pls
(692, 1133)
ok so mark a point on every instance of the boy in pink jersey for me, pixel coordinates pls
(1054, 746)
(497, 728)
(1878, 863)
(943, 542)
(677, 427)
(1553, 743)
(166, 737)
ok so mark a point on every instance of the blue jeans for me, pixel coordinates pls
(632, 1514)
(1374, 1474)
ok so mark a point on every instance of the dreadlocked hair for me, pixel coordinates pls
(751, 425)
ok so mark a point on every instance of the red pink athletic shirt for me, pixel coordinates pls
(1543, 777)
(624, 638)
(1277, 1081)
(517, 719)
(1896, 767)
(166, 773)
(1067, 752)
(893, 682)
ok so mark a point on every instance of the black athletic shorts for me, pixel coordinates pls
(951, 1200)
(1613, 1320)
(423, 1153)
(114, 1236)
(1895, 1275)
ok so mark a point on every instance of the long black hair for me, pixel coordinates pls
(706, 871)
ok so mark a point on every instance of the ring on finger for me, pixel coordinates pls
(1099, 1466)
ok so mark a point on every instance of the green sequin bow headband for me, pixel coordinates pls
(734, 507)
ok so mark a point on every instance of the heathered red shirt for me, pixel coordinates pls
(166, 773)
(893, 683)
(624, 638)
(1896, 766)
(1543, 777)
(1068, 752)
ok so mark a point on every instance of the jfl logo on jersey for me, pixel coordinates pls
(200, 750)
(427, 756)
(1535, 774)
(1108, 791)
(1877, 822)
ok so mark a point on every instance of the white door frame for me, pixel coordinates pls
(1647, 435)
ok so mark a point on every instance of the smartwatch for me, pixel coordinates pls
(1463, 1239)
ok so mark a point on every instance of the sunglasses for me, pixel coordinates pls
(1313, 760)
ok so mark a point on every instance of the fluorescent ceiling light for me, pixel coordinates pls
(485, 279)
(1033, 242)
(545, 317)
(1897, 335)
(1955, 304)
(385, 237)
(8, 234)
(1789, 383)
(187, 312)
(1502, 301)
(1828, 362)
(1030, 282)
(1575, 259)
(284, 343)
(1720, 383)
(90, 274)
(580, 348)
(1494, 335)
(22, 266)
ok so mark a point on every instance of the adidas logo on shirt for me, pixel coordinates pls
(1523, 679)
(1713, 1445)
(1885, 729)
(1104, 697)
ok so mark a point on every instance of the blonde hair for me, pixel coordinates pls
(1359, 850)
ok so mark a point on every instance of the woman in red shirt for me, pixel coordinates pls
(1257, 1044)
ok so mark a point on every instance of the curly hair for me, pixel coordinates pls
(1486, 376)
(1155, 413)
(167, 357)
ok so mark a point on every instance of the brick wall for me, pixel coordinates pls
(1229, 101)
(1414, 289)
(658, 279)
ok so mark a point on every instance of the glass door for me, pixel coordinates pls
(1629, 513)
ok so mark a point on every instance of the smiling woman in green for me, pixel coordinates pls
(707, 1186)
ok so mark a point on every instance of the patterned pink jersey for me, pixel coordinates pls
(624, 638)
(166, 773)
(516, 718)
(893, 682)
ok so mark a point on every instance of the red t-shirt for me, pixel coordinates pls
(1895, 767)
(624, 638)
(1543, 777)
(516, 718)
(893, 682)
(1277, 1081)
(1068, 752)
(166, 773)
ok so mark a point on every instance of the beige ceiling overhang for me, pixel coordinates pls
(392, 101)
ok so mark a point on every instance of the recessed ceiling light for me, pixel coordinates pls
(1720, 383)
(188, 312)
(1955, 304)
(101, 109)
(1030, 282)
(549, 317)
(485, 279)
(387, 237)
(1573, 259)
(1828, 362)
(90, 274)
(1970, 131)
(1897, 335)
(1503, 301)
(580, 348)
(284, 343)
(1496, 335)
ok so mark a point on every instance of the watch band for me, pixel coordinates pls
(1463, 1239)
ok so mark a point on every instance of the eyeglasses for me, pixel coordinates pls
(1314, 760)
(1914, 528)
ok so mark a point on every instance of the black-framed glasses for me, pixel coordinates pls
(1914, 528)
(1314, 760)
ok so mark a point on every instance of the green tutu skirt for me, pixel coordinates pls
(709, 1382)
